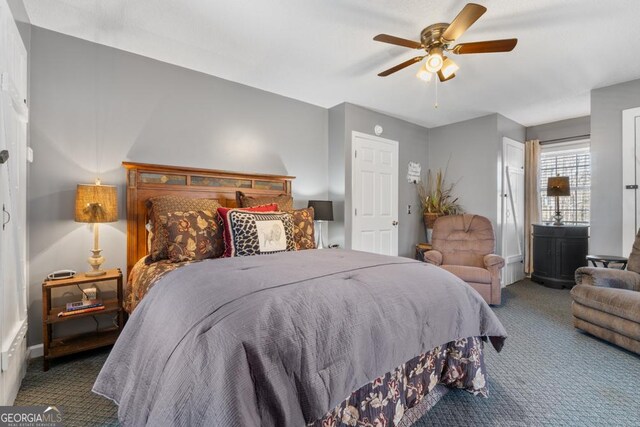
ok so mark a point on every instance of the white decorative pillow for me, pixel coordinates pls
(259, 233)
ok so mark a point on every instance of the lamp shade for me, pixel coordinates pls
(96, 203)
(322, 210)
(558, 186)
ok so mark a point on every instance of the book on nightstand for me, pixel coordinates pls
(81, 311)
(81, 305)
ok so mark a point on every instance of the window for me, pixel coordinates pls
(572, 160)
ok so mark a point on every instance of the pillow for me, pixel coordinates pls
(159, 207)
(284, 201)
(224, 222)
(259, 233)
(303, 231)
(193, 236)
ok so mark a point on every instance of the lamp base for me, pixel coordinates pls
(557, 219)
(320, 244)
(95, 261)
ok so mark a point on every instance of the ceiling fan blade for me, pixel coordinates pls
(401, 66)
(442, 78)
(386, 38)
(467, 16)
(489, 46)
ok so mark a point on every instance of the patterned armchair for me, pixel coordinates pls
(606, 302)
(464, 246)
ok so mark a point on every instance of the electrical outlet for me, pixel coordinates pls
(409, 209)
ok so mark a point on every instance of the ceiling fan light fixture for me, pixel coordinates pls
(449, 68)
(423, 74)
(434, 60)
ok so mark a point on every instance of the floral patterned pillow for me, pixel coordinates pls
(158, 208)
(284, 201)
(193, 236)
(303, 231)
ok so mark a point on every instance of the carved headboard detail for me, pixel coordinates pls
(146, 180)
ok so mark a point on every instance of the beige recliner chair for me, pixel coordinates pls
(464, 246)
(606, 302)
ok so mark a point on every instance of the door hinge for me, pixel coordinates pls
(356, 211)
(356, 154)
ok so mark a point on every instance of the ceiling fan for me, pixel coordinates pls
(436, 40)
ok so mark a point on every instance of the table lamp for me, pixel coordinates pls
(558, 186)
(322, 212)
(95, 204)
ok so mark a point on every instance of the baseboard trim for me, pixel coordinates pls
(35, 351)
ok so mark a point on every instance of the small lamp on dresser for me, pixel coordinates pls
(96, 203)
(558, 186)
(322, 212)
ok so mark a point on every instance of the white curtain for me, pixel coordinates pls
(531, 198)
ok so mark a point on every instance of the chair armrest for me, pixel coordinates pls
(493, 262)
(608, 278)
(433, 257)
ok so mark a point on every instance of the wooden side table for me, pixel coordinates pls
(63, 346)
(421, 248)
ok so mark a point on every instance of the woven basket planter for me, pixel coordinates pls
(429, 219)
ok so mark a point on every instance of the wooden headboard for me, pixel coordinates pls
(145, 181)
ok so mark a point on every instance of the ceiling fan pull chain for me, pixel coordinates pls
(436, 105)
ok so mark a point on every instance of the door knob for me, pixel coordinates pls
(394, 223)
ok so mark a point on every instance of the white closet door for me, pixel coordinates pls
(512, 227)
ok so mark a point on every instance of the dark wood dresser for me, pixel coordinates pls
(558, 250)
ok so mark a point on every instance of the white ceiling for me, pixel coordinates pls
(321, 51)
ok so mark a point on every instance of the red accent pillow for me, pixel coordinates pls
(224, 219)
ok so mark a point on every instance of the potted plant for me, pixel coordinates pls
(437, 200)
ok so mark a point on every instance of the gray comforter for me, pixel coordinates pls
(279, 340)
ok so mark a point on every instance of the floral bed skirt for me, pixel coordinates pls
(386, 400)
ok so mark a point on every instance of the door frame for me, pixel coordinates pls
(354, 217)
(629, 177)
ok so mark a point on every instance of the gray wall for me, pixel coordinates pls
(606, 164)
(563, 129)
(337, 135)
(346, 118)
(471, 152)
(139, 109)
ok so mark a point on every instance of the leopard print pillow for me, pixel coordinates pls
(257, 233)
(193, 236)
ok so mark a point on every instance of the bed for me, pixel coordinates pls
(314, 337)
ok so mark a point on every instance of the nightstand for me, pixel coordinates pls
(63, 346)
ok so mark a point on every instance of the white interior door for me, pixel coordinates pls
(13, 290)
(512, 227)
(630, 178)
(374, 194)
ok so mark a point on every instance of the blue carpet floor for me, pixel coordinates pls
(548, 374)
